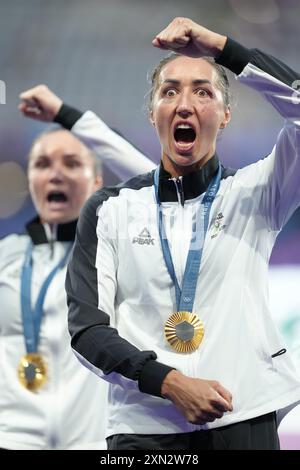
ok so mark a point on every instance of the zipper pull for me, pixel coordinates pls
(180, 192)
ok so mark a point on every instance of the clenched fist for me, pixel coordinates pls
(40, 103)
(186, 37)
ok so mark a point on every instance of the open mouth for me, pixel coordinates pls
(184, 134)
(184, 137)
(57, 196)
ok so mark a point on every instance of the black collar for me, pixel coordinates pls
(36, 231)
(192, 185)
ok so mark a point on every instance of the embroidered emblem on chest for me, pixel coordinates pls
(217, 225)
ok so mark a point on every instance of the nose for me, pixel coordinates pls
(56, 174)
(185, 106)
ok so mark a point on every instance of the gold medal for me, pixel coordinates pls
(32, 371)
(184, 331)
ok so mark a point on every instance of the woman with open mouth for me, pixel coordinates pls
(167, 284)
(47, 400)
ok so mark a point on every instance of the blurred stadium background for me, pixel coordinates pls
(96, 55)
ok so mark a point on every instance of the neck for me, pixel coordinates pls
(176, 170)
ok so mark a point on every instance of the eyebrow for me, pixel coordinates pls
(194, 82)
(71, 155)
(65, 155)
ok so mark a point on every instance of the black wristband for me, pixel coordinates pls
(67, 116)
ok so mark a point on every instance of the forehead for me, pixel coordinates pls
(188, 69)
(58, 142)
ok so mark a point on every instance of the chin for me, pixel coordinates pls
(184, 160)
(59, 219)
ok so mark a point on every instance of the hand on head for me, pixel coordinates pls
(186, 37)
(40, 103)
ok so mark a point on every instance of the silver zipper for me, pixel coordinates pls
(179, 189)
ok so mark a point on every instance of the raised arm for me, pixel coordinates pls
(114, 151)
(278, 174)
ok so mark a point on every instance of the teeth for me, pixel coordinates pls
(184, 126)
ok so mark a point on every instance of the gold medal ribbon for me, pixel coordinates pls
(32, 370)
(184, 330)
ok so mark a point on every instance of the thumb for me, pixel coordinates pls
(225, 394)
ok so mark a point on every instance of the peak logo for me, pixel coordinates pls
(144, 238)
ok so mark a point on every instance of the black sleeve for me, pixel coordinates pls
(92, 336)
(67, 116)
(235, 57)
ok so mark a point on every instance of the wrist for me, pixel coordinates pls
(67, 116)
(219, 44)
(168, 383)
(57, 105)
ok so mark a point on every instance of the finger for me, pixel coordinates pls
(28, 94)
(165, 45)
(203, 420)
(221, 407)
(175, 34)
(206, 416)
(225, 394)
(220, 403)
(161, 45)
(27, 108)
(32, 104)
(210, 417)
(215, 412)
(174, 38)
(156, 42)
(184, 40)
(30, 112)
(176, 44)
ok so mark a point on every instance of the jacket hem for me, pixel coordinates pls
(147, 428)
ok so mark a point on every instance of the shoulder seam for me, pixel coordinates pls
(134, 183)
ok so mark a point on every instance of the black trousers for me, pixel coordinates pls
(254, 434)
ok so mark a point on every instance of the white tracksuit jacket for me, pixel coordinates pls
(120, 293)
(69, 411)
